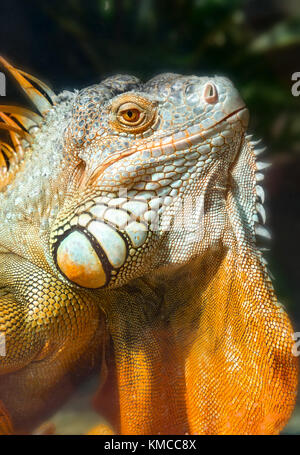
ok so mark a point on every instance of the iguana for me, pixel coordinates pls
(128, 221)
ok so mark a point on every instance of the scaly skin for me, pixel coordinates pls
(127, 226)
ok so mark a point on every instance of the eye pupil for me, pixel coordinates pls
(131, 115)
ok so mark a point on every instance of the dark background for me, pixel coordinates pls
(256, 43)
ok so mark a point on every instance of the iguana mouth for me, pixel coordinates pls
(168, 145)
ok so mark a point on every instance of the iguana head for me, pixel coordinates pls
(141, 155)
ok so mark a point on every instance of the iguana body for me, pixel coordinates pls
(127, 231)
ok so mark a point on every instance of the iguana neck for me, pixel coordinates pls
(157, 297)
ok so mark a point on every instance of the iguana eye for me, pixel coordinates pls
(210, 93)
(132, 113)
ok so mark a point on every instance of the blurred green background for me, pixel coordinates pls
(256, 43)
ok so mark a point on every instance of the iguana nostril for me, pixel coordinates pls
(210, 93)
(79, 262)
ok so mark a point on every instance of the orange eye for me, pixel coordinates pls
(131, 115)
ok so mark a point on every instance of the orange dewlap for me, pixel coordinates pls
(220, 365)
(241, 376)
